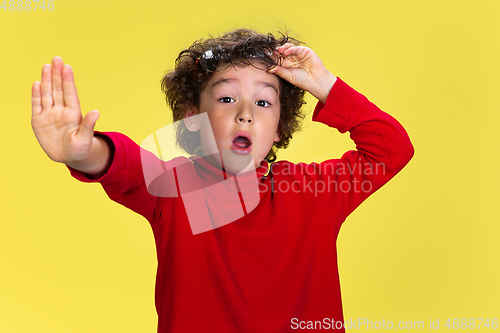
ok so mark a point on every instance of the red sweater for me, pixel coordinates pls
(274, 269)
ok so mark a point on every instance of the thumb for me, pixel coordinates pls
(86, 130)
(281, 72)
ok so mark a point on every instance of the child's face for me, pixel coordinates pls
(242, 101)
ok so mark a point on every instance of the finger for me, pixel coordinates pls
(289, 61)
(298, 57)
(284, 47)
(57, 89)
(282, 72)
(69, 88)
(299, 51)
(86, 131)
(36, 99)
(276, 58)
(46, 86)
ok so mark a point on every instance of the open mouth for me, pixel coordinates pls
(242, 143)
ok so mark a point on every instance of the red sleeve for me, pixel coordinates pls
(124, 181)
(383, 148)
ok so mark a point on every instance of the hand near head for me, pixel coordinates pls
(304, 69)
(56, 116)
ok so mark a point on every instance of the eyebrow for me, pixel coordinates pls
(230, 79)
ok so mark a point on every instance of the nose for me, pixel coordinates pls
(245, 116)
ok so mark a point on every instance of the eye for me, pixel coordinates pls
(226, 100)
(263, 103)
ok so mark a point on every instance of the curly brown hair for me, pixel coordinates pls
(182, 85)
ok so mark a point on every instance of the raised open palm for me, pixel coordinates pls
(57, 120)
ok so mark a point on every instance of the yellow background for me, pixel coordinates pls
(425, 246)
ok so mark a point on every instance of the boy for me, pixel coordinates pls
(275, 268)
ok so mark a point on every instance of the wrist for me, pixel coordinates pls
(323, 87)
(99, 159)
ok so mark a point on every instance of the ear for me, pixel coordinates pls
(190, 119)
(277, 137)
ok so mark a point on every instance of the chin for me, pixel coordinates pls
(236, 162)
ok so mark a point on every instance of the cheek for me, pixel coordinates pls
(216, 121)
(220, 129)
(272, 130)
